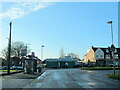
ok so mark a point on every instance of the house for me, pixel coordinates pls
(3, 62)
(102, 56)
(15, 61)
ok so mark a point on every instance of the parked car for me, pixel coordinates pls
(13, 67)
(114, 64)
(19, 67)
(78, 64)
(16, 67)
(40, 66)
(4, 67)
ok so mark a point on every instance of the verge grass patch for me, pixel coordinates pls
(10, 70)
(99, 68)
(116, 76)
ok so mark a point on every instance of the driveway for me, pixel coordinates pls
(74, 78)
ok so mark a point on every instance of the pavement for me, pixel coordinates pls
(21, 75)
(18, 80)
(65, 78)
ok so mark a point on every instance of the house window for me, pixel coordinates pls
(116, 56)
(107, 55)
(115, 50)
(96, 55)
(107, 50)
(101, 55)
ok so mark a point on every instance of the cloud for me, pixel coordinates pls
(24, 8)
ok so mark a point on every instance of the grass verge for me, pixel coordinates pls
(116, 76)
(10, 70)
(99, 68)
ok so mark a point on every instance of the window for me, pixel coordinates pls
(115, 50)
(115, 56)
(108, 55)
(107, 50)
(101, 55)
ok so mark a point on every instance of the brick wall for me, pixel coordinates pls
(90, 55)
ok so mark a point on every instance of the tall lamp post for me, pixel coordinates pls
(42, 52)
(110, 22)
(112, 46)
(27, 49)
(9, 50)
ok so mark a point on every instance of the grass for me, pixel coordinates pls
(99, 68)
(10, 70)
(116, 76)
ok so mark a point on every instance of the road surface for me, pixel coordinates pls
(74, 78)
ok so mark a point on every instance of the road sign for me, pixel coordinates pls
(23, 52)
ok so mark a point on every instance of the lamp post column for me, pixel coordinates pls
(112, 46)
(42, 52)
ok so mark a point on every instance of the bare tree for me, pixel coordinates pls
(16, 48)
(73, 55)
(4, 53)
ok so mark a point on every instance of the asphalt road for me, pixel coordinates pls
(74, 78)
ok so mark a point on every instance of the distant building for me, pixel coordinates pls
(102, 56)
(67, 61)
(68, 58)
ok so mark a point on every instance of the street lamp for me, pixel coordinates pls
(9, 50)
(27, 49)
(112, 46)
(110, 22)
(42, 52)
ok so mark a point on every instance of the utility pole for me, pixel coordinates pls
(9, 50)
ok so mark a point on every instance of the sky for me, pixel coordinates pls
(73, 26)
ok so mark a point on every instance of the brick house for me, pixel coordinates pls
(102, 56)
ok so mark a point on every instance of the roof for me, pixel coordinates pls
(95, 48)
(51, 59)
(104, 49)
(30, 59)
(61, 60)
